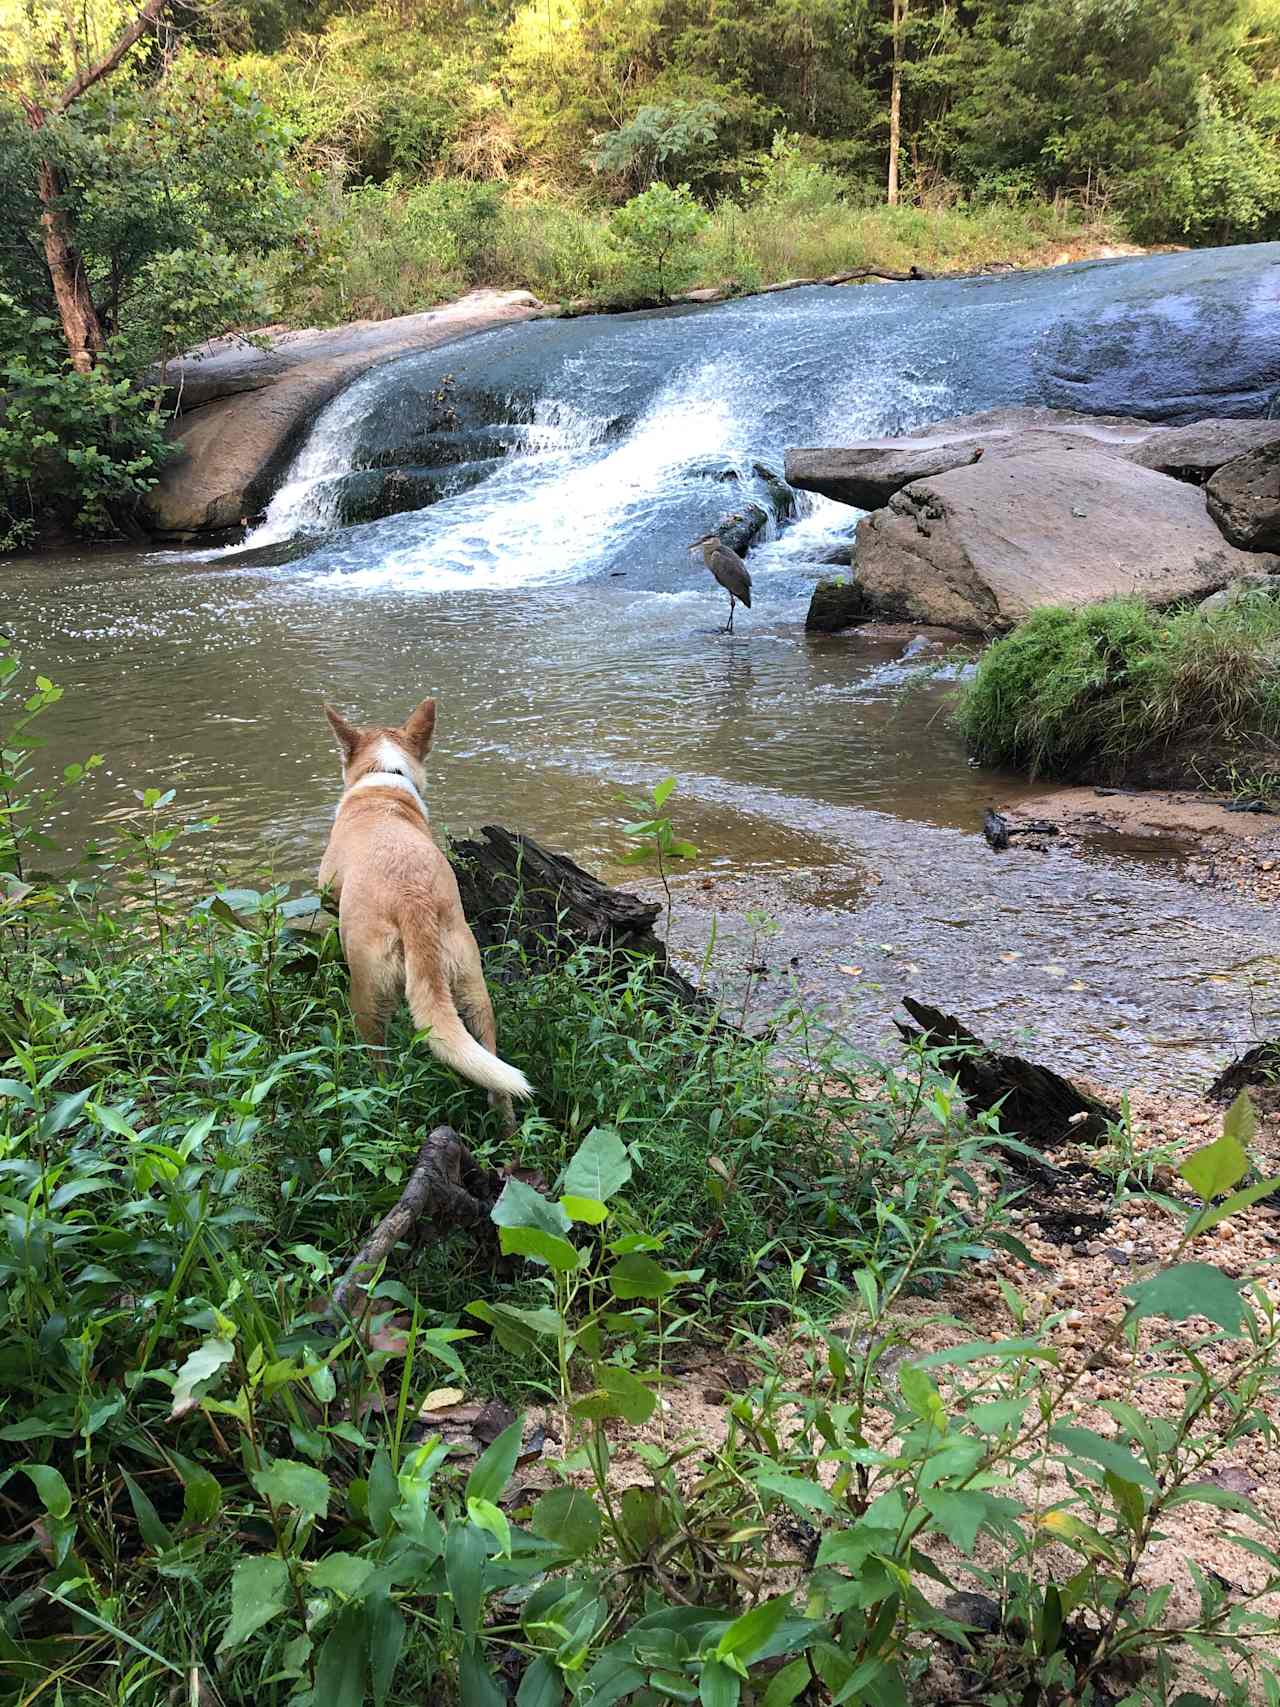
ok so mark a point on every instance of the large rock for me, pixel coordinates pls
(1196, 452)
(1244, 498)
(869, 473)
(1175, 343)
(982, 546)
(245, 407)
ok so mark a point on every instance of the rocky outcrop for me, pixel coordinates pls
(1248, 590)
(867, 474)
(1198, 451)
(979, 547)
(245, 404)
(1244, 498)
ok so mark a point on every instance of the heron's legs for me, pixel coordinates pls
(728, 627)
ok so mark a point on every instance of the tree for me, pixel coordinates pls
(657, 231)
(80, 323)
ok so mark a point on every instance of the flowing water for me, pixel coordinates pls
(547, 597)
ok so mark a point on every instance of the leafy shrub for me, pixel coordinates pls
(659, 142)
(77, 450)
(657, 232)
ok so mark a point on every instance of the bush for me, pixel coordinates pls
(78, 451)
(1101, 692)
(657, 232)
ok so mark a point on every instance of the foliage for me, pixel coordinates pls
(216, 1483)
(77, 450)
(656, 232)
(659, 142)
(1115, 687)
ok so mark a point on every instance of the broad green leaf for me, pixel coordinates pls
(599, 1167)
(476, 1686)
(493, 1468)
(786, 1685)
(541, 1685)
(1208, 1493)
(638, 1276)
(55, 1495)
(285, 1481)
(152, 1530)
(465, 1554)
(342, 1571)
(259, 1591)
(516, 1330)
(384, 1493)
(797, 1491)
(521, 1206)
(493, 1520)
(617, 1394)
(1128, 1501)
(662, 791)
(201, 1492)
(584, 1209)
(1110, 1454)
(544, 1247)
(975, 1350)
(1190, 1289)
(1216, 1168)
(922, 1396)
(718, 1686)
(1050, 1620)
(386, 1640)
(569, 1517)
(961, 1514)
(1076, 1534)
(204, 1362)
(750, 1633)
(343, 1662)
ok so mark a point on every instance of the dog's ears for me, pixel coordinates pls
(346, 733)
(419, 727)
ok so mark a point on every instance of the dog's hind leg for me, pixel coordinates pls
(475, 1008)
(376, 987)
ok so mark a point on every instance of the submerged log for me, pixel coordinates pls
(515, 890)
(1036, 1104)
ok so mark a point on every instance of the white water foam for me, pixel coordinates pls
(537, 523)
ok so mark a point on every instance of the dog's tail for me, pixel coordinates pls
(433, 1010)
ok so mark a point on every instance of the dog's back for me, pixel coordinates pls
(400, 916)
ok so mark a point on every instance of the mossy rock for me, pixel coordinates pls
(836, 605)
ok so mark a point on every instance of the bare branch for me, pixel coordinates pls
(106, 65)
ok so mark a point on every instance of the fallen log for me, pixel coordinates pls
(515, 890)
(1036, 1104)
(446, 1188)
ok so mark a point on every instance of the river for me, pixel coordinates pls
(574, 646)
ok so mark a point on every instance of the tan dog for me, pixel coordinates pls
(399, 912)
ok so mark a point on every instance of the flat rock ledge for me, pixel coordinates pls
(977, 522)
(246, 403)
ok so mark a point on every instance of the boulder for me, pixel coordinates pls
(980, 547)
(1196, 452)
(1243, 497)
(836, 605)
(869, 473)
(245, 405)
(1249, 589)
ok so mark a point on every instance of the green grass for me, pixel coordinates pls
(1118, 691)
(374, 255)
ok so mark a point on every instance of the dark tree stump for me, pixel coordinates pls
(1039, 1105)
(513, 889)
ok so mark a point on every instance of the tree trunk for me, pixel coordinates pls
(895, 99)
(80, 324)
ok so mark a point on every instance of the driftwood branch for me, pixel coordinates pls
(515, 890)
(446, 1186)
(1038, 1104)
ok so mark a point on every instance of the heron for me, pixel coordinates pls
(729, 569)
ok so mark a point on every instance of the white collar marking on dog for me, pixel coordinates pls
(391, 775)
